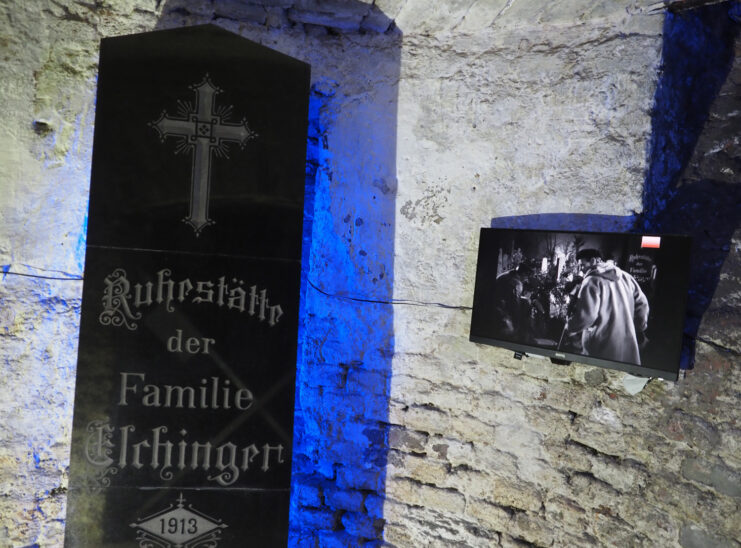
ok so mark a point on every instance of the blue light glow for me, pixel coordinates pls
(341, 430)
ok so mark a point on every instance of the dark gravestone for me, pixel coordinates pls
(183, 419)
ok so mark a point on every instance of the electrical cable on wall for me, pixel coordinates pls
(408, 302)
(70, 277)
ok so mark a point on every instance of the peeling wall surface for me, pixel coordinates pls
(428, 121)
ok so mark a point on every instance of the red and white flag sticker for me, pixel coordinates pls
(651, 241)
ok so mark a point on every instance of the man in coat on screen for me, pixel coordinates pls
(611, 311)
(510, 303)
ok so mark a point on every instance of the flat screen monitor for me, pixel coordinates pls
(605, 299)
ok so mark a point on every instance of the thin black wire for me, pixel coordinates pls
(68, 278)
(407, 302)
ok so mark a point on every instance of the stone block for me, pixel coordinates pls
(193, 7)
(549, 422)
(610, 441)
(317, 519)
(664, 525)
(407, 440)
(481, 15)
(338, 539)
(239, 11)
(478, 456)
(376, 21)
(272, 4)
(354, 478)
(340, 8)
(625, 476)
(341, 406)
(342, 452)
(514, 494)
(399, 535)
(428, 418)
(312, 457)
(344, 499)
(590, 491)
(308, 495)
(693, 536)
(610, 528)
(488, 514)
(415, 493)
(362, 525)
(532, 528)
(621, 474)
(568, 512)
(378, 543)
(714, 474)
(390, 8)
(517, 439)
(367, 382)
(509, 541)
(730, 446)
(421, 469)
(595, 377)
(680, 499)
(346, 23)
(541, 473)
(427, 526)
(304, 538)
(324, 375)
(374, 505)
(721, 323)
(682, 426)
(276, 18)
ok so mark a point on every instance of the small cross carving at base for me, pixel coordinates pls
(204, 132)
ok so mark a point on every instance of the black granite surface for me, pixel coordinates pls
(184, 401)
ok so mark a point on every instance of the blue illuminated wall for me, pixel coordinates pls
(346, 321)
(697, 52)
(690, 185)
(341, 427)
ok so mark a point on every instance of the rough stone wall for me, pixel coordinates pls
(486, 450)
(47, 86)
(429, 120)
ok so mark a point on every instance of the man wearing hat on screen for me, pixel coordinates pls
(611, 310)
(510, 303)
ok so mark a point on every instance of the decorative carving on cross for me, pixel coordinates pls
(202, 130)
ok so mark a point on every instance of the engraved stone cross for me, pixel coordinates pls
(202, 129)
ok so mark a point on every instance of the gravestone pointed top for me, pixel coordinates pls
(194, 123)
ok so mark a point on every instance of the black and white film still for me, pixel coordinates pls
(606, 297)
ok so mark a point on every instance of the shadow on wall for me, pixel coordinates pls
(690, 187)
(567, 221)
(346, 324)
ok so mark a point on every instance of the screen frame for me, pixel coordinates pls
(679, 282)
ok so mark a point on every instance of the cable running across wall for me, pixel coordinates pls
(71, 277)
(407, 302)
